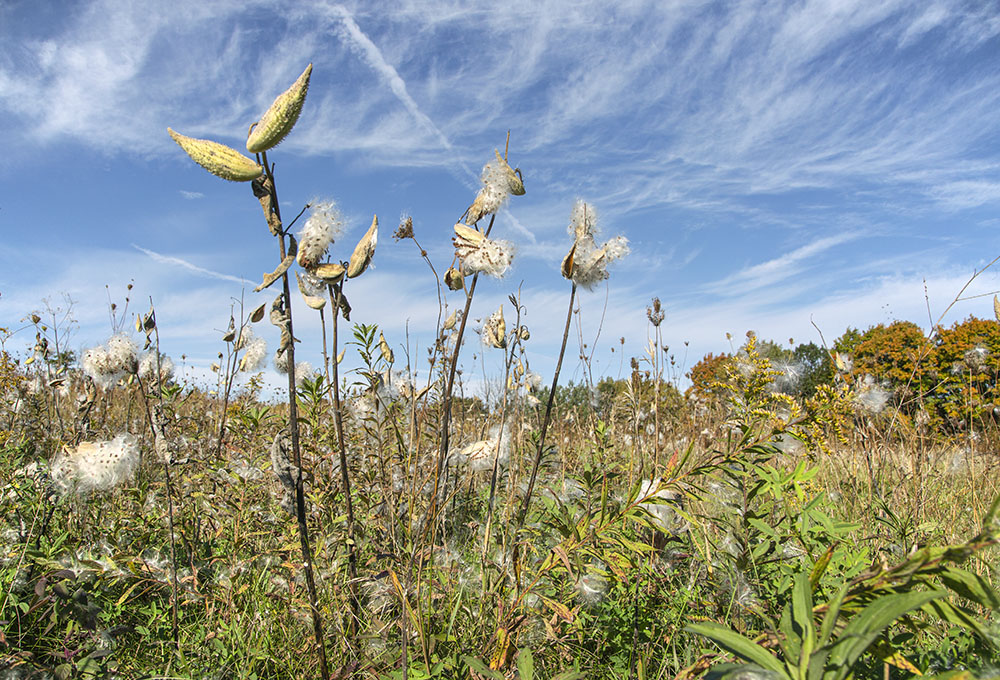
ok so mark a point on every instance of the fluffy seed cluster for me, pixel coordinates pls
(661, 506)
(497, 188)
(107, 364)
(491, 257)
(96, 466)
(590, 261)
(480, 455)
(148, 366)
(323, 226)
(303, 369)
(256, 351)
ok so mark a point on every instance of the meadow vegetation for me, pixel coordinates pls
(815, 512)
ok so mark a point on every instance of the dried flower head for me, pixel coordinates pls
(323, 226)
(655, 312)
(405, 229)
(480, 254)
(96, 466)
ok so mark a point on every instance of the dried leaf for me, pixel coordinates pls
(276, 274)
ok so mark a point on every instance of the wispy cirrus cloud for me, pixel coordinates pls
(190, 266)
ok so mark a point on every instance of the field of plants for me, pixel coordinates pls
(816, 512)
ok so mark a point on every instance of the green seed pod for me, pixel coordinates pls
(219, 159)
(279, 120)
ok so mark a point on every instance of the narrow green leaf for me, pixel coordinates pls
(481, 668)
(525, 664)
(735, 643)
(971, 587)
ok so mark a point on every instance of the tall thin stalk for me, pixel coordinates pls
(345, 479)
(548, 412)
(267, 194)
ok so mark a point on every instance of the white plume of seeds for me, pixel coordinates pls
(480, 254)
(256, 354)
(96, 466)
(587, 264)
(107, 364)
(499, 182)
(148, 368)
(323, 226)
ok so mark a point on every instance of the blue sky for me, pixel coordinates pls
(772, 164)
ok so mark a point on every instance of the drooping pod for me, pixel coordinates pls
(219, 159)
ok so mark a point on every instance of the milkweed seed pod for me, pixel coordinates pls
(385, 349)
(514, 183)
(314, 301)
(453, 279)
(495, 330)
(320, 230)
(279, 120)
(363, 252)
(450, 322)
(219, 159)
(96, 466)
(480, 254)
(499, 182)
(330, 272)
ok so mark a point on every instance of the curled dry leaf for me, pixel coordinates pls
(363, 252)
(281, 117)
(219, 159)
(271, 277)
(451, 321)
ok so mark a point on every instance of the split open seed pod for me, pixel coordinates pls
(385, 349)
(219, 159)
(454, 279)
(513, 181)
(495, 330)
(468, 237)
(568, 264)
(331, 272)
(314, 301)
(363, 252)
(450, 322)
(279, 120)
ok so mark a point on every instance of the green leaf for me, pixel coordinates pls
(735, 643)
(971, 587)
(481, 668)
(864, 628)
(525, 664)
